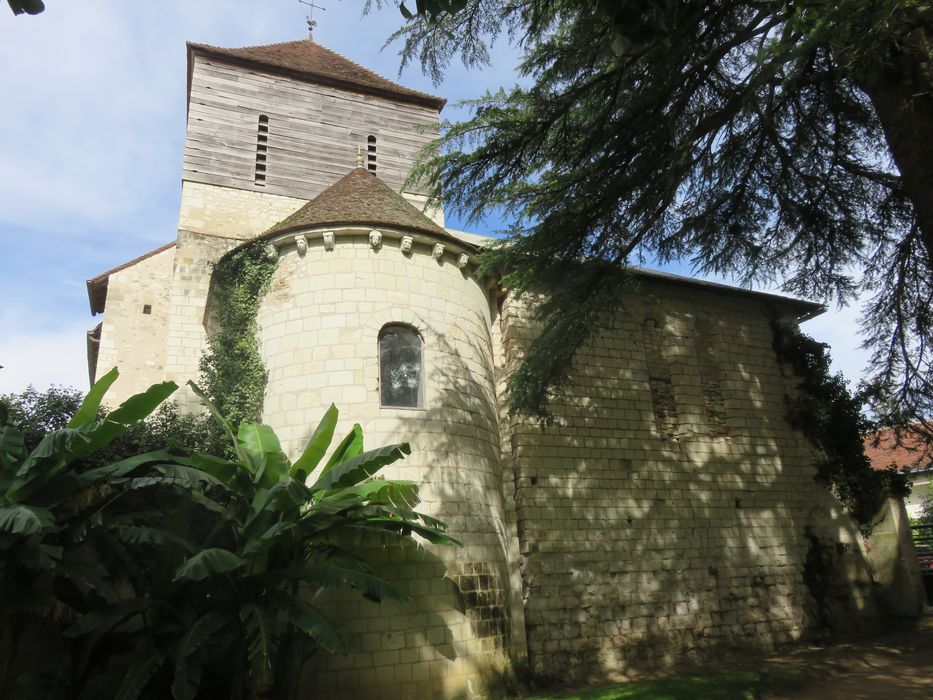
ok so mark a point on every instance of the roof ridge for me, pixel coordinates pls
(314, 65)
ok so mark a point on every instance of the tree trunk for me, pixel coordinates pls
(900, 86)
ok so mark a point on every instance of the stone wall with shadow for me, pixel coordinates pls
(320, 328)
(669, 514)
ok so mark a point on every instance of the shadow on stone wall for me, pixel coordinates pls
(640, 548)
(456, 635)
(643, 550)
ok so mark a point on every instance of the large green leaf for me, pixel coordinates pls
(64, 487)
(87, 412)
(88, 572)
(60, 447)
(257, 509)
(288, 494)
(130, 412)
(139, 675)
(207, 563)
(233, 474)
(273, 536)
(349, 447)
(139, 534)
(54, 450)
(187, 670)
(120, 469)
(11, 442)
(283, 500)
(317, 446)
(326, 575)
(407, 527)
(224, 423)
(188, 478)
(263, 451)
(309, 620)
(21, 519)
(380, 492)
(228, 512)
(361, 467)
(109, 616)
(262, 638)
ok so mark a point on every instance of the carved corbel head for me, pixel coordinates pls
(375, 239)
(301, 243)
(328, 240)
(463, 261)
(438, 252)
(406, 244)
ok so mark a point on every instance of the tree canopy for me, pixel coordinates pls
(29, 7)
(775, 142)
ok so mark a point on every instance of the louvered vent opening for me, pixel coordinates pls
(371, 153)
(262, 149)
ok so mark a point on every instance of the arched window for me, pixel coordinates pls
(400, 364)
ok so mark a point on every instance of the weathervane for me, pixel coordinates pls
(312, 23)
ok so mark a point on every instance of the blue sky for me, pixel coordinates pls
(92, 135)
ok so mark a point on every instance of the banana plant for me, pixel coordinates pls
(245, 595)
(51, 512)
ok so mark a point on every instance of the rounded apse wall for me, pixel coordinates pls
(332, 295)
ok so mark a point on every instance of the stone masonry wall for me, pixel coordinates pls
(231, 212)
(195, 255)
(320, 323)
(238, 213)
(670, 513)
(134, 325)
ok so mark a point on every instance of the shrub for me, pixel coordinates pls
(180, 572)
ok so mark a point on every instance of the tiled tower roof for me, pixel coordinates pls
(307, 60)
(359, 198)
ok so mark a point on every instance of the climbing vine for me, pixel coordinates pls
(832, 419)
(232, 371)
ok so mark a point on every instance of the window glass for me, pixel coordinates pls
(400, 361)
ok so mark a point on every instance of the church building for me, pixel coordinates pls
(667, 514)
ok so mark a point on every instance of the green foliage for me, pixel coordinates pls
(53, 511)
(549, 360)
(244, 592)
(34, 414)
(29, 7)
(177, 572)
(825, 411)
(232, 370)
(769, 141)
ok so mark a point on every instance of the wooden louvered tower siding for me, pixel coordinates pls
(314, 128)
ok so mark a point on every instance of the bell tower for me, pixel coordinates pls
(271, 127)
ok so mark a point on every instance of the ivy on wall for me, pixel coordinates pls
(232, 371)
(832, 419)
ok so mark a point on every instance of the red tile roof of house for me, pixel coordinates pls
(912, 453)
(359, 197)
(309, 61)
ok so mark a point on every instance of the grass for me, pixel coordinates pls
(725, 684)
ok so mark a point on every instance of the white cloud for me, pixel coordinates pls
(43, 358)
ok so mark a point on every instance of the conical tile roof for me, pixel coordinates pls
(307, 60)
(359, 197)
